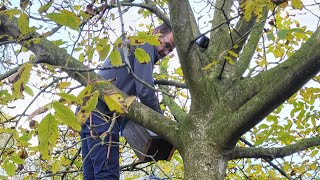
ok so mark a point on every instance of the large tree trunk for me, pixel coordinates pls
(200, 162)
(203, 155)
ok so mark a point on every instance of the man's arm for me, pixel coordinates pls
(144, 71)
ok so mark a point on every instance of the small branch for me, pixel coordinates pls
(71, 163)
(148, 85)
(9, 73)
(29, 105)
(91, 69)
(170, 83)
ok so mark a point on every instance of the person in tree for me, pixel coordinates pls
(98, 162)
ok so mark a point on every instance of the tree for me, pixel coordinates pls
(226, 102)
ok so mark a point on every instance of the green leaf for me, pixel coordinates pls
(115, 102)
(12, 12)
(142, 37)
(55, 166)
(103, 51)
(282, 34)
(66, 115)
(45, 7)
(297, 4)
(118, 42)
(91, 103)
(263, 126)
(270, 36)
(9, 167)
(314, 153)
(28, 90)
(20, 80)
(86, 91)
(17, 160)
(81, 57)
(115, 58)
(64, 85)
(142, 56)
(23, 23)
(65, 18)
(89, 51)
(59, 42)
(47, 135)
(69, 97)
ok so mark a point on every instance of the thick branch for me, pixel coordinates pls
(181, 17)
(281, 171)
(273, 87)
(271, 153)
(220, 39)
(47, 52)
(248, 50)
(179, 114)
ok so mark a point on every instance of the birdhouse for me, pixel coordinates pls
(145, 142)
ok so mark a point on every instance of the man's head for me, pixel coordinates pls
(166, 40)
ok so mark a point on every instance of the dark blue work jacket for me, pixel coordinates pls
(128, 84)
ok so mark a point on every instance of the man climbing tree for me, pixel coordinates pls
(243, 96)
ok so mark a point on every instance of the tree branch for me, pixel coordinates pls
(268, 160)
(249, 49)
(170, 83)
(272, 153)
(276, 85)
(9, 73)
(220, 39)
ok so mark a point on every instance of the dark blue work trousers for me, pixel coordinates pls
(96, 165)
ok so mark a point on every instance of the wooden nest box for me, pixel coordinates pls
(145, 142)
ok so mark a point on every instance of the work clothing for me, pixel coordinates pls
(95, 165)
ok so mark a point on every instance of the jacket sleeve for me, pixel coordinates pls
(144, 71)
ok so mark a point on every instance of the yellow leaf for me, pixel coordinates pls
(297, 4)
(82, 117)
(115, 102)
(115, 58)
(23, 23)
(233, 53)
(55, 166)
(210, 65)
(229, 60)
(64, 85)
(142, 56)
(314, 153)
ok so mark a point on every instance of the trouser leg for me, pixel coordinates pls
(87, 165)
(97, 165)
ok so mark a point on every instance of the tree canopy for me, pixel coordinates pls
(239, 109)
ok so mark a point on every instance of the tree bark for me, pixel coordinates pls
(202, 161)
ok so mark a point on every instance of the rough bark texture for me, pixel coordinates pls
(223, 107)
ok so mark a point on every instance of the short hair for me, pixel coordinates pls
(164, 28)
